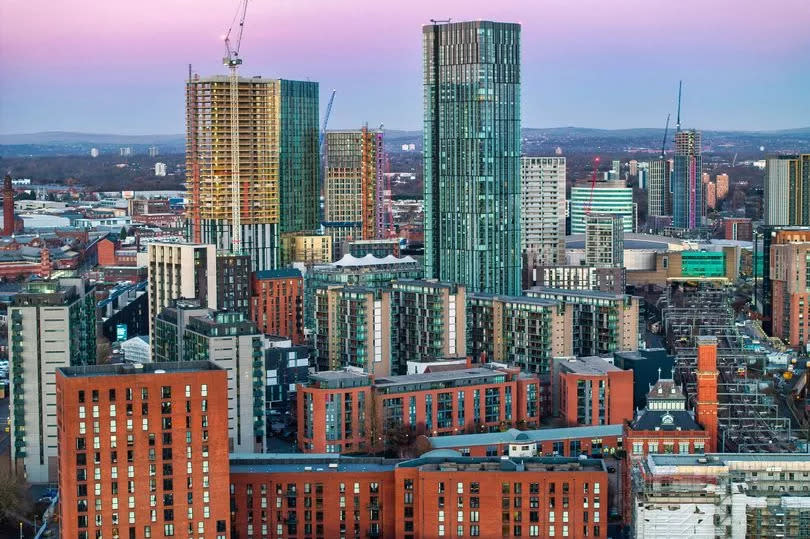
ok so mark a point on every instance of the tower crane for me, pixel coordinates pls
(326, 121)
(233, 61)
(664, 142)
(593, 184)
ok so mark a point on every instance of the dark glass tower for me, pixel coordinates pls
(472, 155)
(687, 186)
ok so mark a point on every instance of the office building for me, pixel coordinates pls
(428, 321)
(353, 186)
(608, 197)
(277, 303)
(602, 322)
(542, 210)
(376, 497)
(721, 180)
(687, 190)
(472, 155)
(277, 169)
(353, 328)
(142, 450)
(604, 279)
(790, 285)
(231, 341)
(180, 270)
(591, 391)
(518, 330)
(233, 282)
(722, 495)
(787, 190)
(349, 411)
(52, 324)
(604, 240)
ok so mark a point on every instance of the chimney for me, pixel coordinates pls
(8, 206)
(706, 406)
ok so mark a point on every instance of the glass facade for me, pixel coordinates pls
(687, 186)
(472, 155)
(703, 264)
(616, 199)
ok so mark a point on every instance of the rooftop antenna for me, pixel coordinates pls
(664, 142)
(678, 122)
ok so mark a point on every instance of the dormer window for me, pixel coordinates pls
(667, 419)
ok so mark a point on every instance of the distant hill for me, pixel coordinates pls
(69, 137)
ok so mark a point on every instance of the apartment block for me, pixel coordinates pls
(353, 328)
(378, 248)
(143, 450)
(428, 322)
(168, 343)
(604, 240)
(350, 411)
(602, 322)
(180, 270)
(277, 303)
(790, 284)
(591, 391)
(521, 331)
(603, 279)
(787, 190)
(375, 497)
(542, 210)
(306, 248)
(233, 282)
(687, 188)
(51, 324)
(659, 195)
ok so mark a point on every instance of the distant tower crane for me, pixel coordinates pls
(593, 184)
(664, 142)
(233, 61)
(326, 121)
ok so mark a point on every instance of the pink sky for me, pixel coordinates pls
(73, 62)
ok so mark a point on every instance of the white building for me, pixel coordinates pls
(160, 169)
(605, 197)
(543, 209)
(604, 240)
(53, 324)
(137, 349)
(93, 152)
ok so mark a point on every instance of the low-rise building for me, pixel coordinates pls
(591, 391)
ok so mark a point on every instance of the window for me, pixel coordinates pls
(166, 392)
(204, 390)
(168, 530)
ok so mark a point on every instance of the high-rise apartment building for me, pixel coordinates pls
(142, 450)
(233, 282)
(52, 324)
(277, 168)
(687, 188)
(602, 322)
(231, 341)
(604, 240)
(353, 328)
(472, 155)
(606, 197)
(659, 196)
(711, 195)
(605, 279)
(787, 190)
(543, 210)
(277, 303)
(180, 270)
(790, 285)
(721, 180)
(353, 186)
(521, 331)
(167, 342)
(428, 322)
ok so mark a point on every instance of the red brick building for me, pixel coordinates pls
(738, 228)
(790, 283)
(143, 450)
(110, 253)
(277, 303)
(440, 494)
(349, 411)
(591, 391)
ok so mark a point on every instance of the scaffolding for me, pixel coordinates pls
(750, 418)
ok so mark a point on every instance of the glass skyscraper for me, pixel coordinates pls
(472, 154)
(687, 187)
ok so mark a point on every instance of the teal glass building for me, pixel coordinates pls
(472, 155)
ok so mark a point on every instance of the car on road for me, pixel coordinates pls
(611, 469)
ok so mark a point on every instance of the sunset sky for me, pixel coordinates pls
(117, 66)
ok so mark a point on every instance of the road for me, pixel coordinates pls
(5, 438)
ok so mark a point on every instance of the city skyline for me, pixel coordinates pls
(128, 77)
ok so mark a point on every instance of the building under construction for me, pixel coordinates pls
(749, 415)
(271, 174)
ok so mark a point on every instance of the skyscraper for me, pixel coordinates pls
(353, 186)
(542, 215)
(277, 169)
(787, 190)
(687, 188)
(722, 186)
(659, 199)
(472, 154)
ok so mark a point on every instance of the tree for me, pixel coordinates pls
(123, 234)
(14, 502)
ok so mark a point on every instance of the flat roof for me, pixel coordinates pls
(337, 375)
(514, 299)
(721, 459)
(588, 365)
(119, 369)
(307, 462)
(575, 293)
(524, 436)
(443, 462)
(445, 376)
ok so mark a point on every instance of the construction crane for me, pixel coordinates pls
(233, 61)
(593, 184)
(664, 142)
(678, 122)
(326, 121)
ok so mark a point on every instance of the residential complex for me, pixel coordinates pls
(353, 186)
(277, 167)
(349, 411)
(472, 155)
(687, 189)
(157, 465)
(233, 282)
(277, 303)
(591, 391)
(604, 240)
(542, 215)
(606, 197)
(51, 324)
(605, 279)
(787, 190)
(659, 196)
(790, 284)
(522, 331)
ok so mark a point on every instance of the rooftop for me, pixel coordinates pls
(665, 388)
(514, 299)
(587, 365)
(438, 377)
(306, 462)
(574, 293)
(666, 420)
(371, 260)
(514, 435)
(723, 459)
(121, 369)
(444, 462)
(281, 273)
